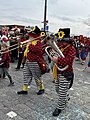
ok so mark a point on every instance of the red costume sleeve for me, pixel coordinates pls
(69, 57)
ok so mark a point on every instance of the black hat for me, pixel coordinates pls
(64, 33)
(36, 30)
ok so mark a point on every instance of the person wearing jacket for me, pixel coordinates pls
(5, 63)
(31, 68)
(64, 79)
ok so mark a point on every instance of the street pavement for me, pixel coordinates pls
(34, 107)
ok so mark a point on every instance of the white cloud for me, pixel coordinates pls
(60, 13)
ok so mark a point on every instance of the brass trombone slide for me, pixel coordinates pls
(18, 44)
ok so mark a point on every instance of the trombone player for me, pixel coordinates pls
(64, 78)
(32, 68)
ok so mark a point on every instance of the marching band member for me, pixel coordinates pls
(64, 78)
(31, 68)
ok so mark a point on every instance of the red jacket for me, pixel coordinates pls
(69, 54)
(35, 52)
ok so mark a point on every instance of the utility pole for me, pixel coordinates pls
(45, 13)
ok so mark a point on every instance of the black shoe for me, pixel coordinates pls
(22, 92)
(11, 84)
(40, 92)
(56, 112)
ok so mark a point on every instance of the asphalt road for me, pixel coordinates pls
(33, 107)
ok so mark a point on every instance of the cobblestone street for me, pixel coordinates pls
(33, 107)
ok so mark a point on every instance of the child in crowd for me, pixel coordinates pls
(5, 63)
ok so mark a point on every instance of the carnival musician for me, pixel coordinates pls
(64, 78)
(32, 68)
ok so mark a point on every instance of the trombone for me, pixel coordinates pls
(16, 46)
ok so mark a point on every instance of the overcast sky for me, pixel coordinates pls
(70, 7)
(55, 7)
(67, 13)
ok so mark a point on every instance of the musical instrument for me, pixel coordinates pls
(53, 50)
(17, 45)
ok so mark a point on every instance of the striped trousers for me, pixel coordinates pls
(31, 70)
(62, 87)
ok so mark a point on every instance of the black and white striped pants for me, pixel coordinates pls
(62, 87)
(31, 70)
